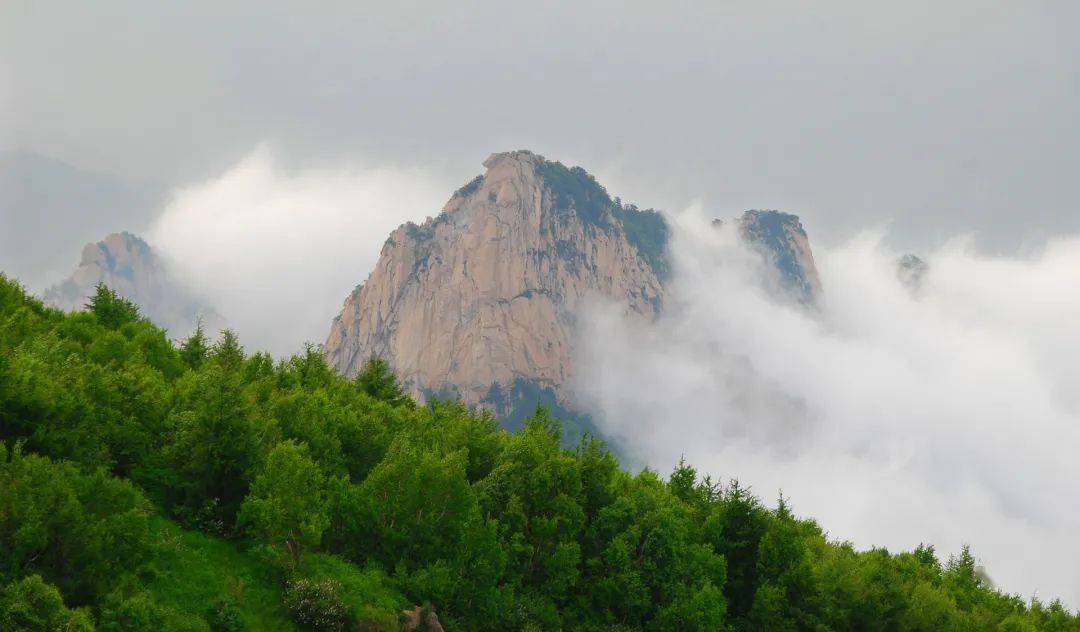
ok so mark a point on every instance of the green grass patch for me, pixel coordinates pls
(369, 592)
(192, 570)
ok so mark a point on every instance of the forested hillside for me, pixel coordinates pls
(147, 485)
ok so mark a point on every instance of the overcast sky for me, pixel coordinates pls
(928, 118)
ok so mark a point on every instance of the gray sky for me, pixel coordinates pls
(932, 118)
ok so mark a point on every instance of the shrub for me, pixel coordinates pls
(32, 604)
(317, 605)
(223, 615)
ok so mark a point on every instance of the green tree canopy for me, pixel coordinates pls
(287, 504)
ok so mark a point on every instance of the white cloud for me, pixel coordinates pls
(949, 417)
(276, 251)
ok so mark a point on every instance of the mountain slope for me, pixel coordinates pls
(155, 487)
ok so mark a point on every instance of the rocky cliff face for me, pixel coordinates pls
(127, 265)
(781, 239)
(486, 293)
(480, 302)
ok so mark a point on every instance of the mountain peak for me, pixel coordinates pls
(911, 269)
(128, 265)
(486, 293)
(117, 251)
(482, 301)
(781, 238)
(519, 177)
(517, 156)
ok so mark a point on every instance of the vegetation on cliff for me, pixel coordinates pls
(575, 190)
(146, 485)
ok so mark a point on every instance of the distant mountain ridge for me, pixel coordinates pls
(481, 301)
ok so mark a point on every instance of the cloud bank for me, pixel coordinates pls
(946, 415)
(276, 251)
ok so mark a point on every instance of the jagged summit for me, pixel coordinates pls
(121, 260)
(573, 191)
(485, 293)
(127, 264)
(481, 300)
(781, 239)
(910, 270)
(523, 156)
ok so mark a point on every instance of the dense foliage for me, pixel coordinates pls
(151, 486)
(648, 232)
(574, 190)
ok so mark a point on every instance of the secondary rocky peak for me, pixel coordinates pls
(780, 238)
(128, 265)
(910, 270)
(122, 261)
(119, 253)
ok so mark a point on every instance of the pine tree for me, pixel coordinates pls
(376, 379)
(195, 349)
(111, 309)
(228, 352)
